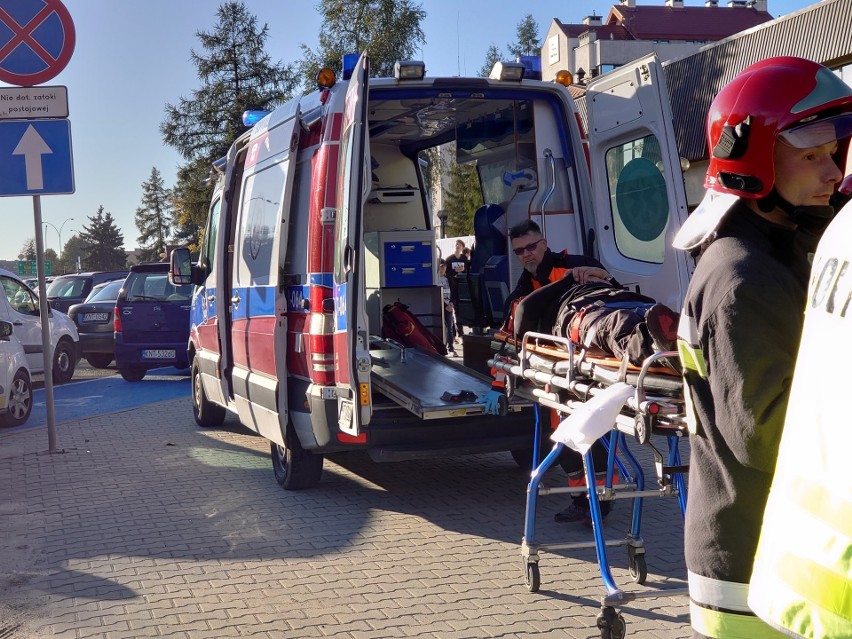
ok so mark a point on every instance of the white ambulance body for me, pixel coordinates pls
(321, 217)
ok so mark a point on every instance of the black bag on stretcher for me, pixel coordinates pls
(401, 325)
(598, 315)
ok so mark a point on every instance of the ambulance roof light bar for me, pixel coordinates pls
(349, 62)
(507, 71)
(253, 116)
(409, 70)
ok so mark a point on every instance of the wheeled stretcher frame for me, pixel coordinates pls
(549, 372)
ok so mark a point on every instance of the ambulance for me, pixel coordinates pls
(322, 217)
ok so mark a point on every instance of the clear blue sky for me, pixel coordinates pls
(132, 57)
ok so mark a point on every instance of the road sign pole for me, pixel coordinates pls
(44, 313)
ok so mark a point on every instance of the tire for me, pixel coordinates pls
(20, 400)
(636, 565)
(294, 467)
(132, 374)
(207, 414)
(99, 360)
(64, 362)
(532, 577)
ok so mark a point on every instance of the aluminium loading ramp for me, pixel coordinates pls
(416, 380)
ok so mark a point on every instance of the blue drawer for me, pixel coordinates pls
(407, 251)
(397, 275)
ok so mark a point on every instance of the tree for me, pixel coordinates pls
(153, 218)
(190, 203)
(28, 250)
(75, 247)
(236, 74)
(105, 243)
(388, 29)
(528, 42)
(464, 196)
(492, 56)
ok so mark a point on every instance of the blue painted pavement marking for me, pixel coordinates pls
(106, 395)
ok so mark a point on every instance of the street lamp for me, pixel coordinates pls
(59, 233)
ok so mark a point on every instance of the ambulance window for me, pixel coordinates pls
(209, 250)
(638, 199)
(258, 217)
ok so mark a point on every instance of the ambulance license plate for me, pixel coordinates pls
(95, 317)
(158, 354)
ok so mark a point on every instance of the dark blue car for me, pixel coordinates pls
(151, 322)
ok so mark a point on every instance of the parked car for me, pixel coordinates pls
(32, 282)
(16, 392)
(94, 320)
(151, 321)
(67, 290)
(20, 306)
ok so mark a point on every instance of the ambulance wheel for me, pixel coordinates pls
(63, 362)
(20, 400)
(636, 565)
(532, 576)
(611, 624)
(294, 467)
(207, 414)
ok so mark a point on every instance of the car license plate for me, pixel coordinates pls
(158, 354)
(95, 317)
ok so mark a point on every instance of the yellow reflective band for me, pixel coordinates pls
(692, 358)
(815, 583)
(816, 499)
(726, 625)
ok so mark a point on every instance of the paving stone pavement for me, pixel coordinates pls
(146, 526)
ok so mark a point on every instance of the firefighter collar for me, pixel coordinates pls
(704, 220)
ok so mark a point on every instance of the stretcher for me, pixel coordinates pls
(553, 372)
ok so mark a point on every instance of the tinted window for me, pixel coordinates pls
(155, 287)
(105, 292)
(68, 287)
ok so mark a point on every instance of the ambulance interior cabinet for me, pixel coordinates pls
(400, 266)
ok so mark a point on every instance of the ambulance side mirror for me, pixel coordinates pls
(180, 268)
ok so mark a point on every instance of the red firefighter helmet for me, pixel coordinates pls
(798, 100)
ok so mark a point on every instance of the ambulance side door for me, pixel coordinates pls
(637, 182)
(351, 339)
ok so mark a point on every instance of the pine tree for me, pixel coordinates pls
(528, 41)
(28, 250)
(236, 74)
(153, 218)
(105, 243)
(464, 196)
(492, 56)
(388, 29)
(190, 203)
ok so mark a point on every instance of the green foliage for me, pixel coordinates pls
(492, 56)
(236, 74)
(389, 30)
(464, 196)
(105, 243)
(528, 41)
(75, 247)
(28, 250)
(154, 218)
(190, 203)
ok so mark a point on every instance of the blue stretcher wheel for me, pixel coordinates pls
(636, 565)
(611, 624)
(532, 577)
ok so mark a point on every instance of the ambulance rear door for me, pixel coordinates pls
(351, 338)
(637, 182)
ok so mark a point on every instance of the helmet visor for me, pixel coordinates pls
(819, 132)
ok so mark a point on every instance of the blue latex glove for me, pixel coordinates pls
(491, 402)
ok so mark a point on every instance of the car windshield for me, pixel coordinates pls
(107, 292)
(155, 287)
(67, 287)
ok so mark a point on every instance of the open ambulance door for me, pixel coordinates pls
(637, 182)
(351, 329)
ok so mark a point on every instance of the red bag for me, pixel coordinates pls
(399, 324)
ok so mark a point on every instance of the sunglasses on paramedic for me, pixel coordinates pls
(529, 248)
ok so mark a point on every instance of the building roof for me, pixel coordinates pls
(603, 31)
(685, 23)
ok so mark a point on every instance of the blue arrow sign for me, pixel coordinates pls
(36, 157)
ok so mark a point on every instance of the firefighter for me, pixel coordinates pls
(802, 579)
(777, 134)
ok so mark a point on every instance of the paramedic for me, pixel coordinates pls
(776, 134)
(801, 579)
(542, 266)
